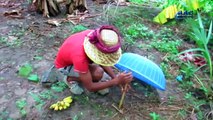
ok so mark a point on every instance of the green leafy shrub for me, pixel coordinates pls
(166, 41)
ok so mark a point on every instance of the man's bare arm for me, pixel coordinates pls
(86, 80)
(109, 71)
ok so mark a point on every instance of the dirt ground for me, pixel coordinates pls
(31, 36)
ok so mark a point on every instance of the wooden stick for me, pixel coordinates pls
(122, 97)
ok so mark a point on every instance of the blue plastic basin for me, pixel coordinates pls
(143, 69)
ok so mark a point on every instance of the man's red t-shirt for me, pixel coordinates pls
(72, 53)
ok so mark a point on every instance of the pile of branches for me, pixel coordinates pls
(52, 7)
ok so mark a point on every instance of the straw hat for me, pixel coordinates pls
(103, 46)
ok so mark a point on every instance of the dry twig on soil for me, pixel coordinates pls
(119, 110)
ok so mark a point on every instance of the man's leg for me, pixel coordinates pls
(96, 72)
(97, 75)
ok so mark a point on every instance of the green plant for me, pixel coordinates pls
(196, 104)
(20, 104)
(201, 37)
(186, 85)
(137, 1)
(17, 32)
(78, 116)
(59, 86)
(78, 28)
(182, 113)
(41, 97)
(166, 41)
(13, 38)
(207, 7)
(37, 57)
(38, 100)
(154, 116)
(4, 115)
(136, 32)
(51, 35)
(197, 32)
(166, 67)
(173, 6)
(10, 41)
(188, 96)
(171, 99)
(166, 46)
(46, 95)
(25, 70)
(188, 70)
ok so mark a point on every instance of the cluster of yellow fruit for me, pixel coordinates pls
(62, 105)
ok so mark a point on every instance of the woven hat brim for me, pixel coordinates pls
(98, 57)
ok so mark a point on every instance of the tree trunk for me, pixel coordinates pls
(73, 5)
(47, 7)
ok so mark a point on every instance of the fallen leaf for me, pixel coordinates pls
(33, 77)
(13, 14)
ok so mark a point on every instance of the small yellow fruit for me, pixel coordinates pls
(65, 107)
(60, 107)
(69, 97)
(53, 106)
(67, 100)
(56, 108)
(62, 103)
(67, 104)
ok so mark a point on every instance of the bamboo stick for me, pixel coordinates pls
(122, 97)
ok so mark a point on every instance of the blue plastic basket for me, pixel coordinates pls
(143, 69)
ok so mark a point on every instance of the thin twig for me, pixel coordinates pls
(114, 115)
(172, 108)
(7, 66)
(120, 111)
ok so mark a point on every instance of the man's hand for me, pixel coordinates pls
(125, 88)
(124, 78)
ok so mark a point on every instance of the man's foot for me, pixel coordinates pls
(74, 87)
